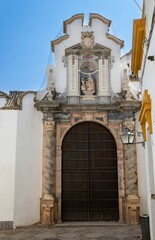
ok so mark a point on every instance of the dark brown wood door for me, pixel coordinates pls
(89, 174)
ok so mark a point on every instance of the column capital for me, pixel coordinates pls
(49, 123)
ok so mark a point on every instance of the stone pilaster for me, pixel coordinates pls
(48, 181)
(103, 78)
(132, 199)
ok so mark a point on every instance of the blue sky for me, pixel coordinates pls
(28, 26)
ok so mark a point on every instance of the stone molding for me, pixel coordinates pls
(101, 18)
(114, 127)
(72, 19)
(115, 39)
(15, 99)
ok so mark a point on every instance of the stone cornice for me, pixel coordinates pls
(115, 39)
(98, 48)
(120, 106)
(70, 20)
(14, 99)
(57, 41)
(3, 94)
(101, 18)
(47, 106)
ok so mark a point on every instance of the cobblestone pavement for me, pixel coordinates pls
(74, 232)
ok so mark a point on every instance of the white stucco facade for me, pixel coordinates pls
(21, 151)
(102, 37)
(146, 156)
(8, 138)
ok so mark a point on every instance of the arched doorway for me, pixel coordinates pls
(89, 174)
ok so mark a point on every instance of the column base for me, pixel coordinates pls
(132, 209)
(47, 210)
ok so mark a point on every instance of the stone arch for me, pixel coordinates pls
(114, 129)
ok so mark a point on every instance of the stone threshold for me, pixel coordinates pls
(89, 224)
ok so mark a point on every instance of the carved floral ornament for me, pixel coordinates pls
(145, 114)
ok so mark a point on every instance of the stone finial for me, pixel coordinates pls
(50, 84)
(125, 83)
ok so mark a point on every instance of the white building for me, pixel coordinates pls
(143, 64)
(61, 152)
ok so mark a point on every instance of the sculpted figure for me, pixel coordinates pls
(88, 85)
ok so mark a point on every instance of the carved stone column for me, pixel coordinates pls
(48, 181)
(132, 199)
(130, 163)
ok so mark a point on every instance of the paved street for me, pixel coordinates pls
(85, 231)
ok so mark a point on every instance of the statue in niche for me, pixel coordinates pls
(88, 85)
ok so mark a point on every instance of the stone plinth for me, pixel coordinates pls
(47, 209)
(132, 204)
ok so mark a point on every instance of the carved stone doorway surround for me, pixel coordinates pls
(114, 128)
(126, 162)
(54, 130)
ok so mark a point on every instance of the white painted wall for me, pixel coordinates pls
(8, 129)
(74, 30)
(149, 5)
(141, 167)
(148, 80)
(28, 164)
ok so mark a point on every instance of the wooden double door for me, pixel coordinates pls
(89, 174)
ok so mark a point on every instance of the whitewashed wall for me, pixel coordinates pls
(28, 164)
(148, 80)
(100, 29)
(8, 130)
(20, 164)
(141, 167)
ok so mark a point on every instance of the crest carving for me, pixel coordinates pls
(87, 40)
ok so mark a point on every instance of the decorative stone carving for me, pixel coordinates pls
(87, 40)
(49, 124)
(125, 83)
(15, 99)
(48, 200)
(129, 123)
(3, 94)
(131, 188)
(47, 208)
(88, 85)
(129, 92)
(111, 61)
(50, 85)
(133, 204)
